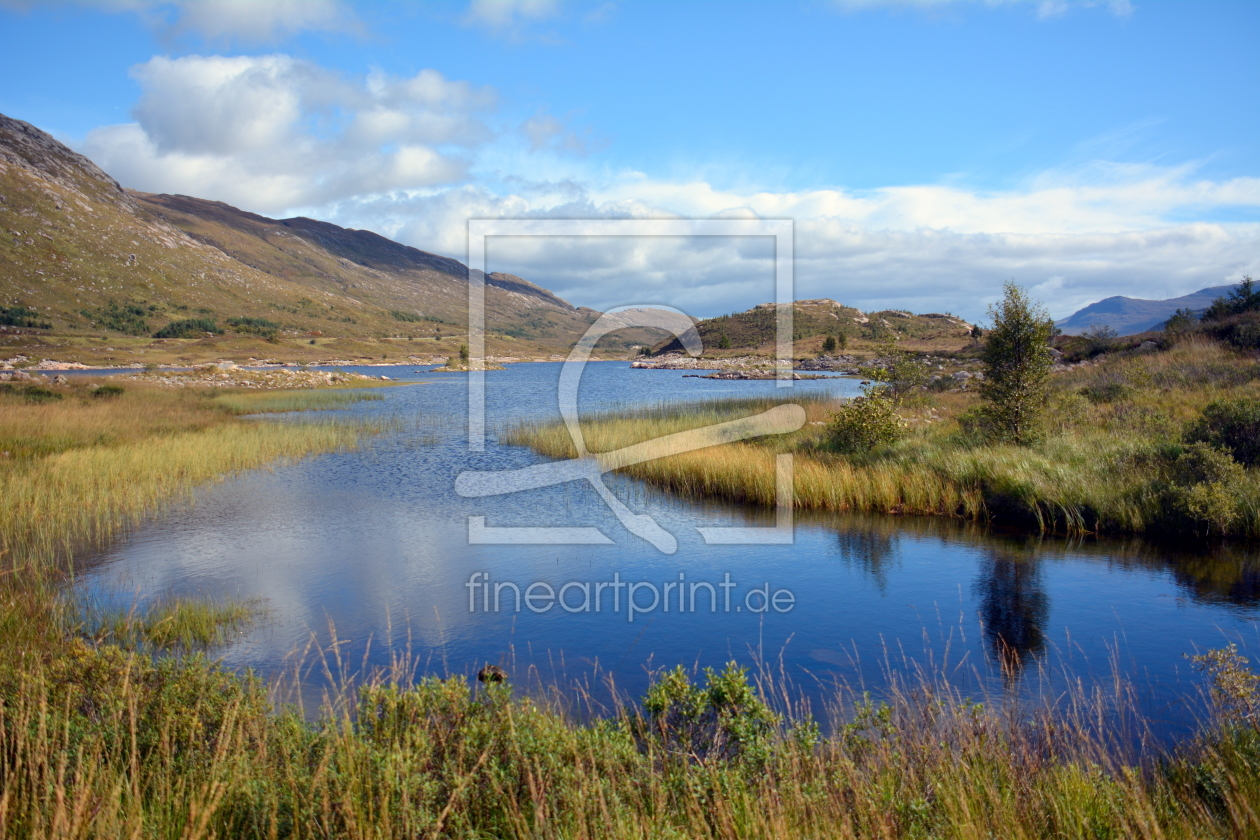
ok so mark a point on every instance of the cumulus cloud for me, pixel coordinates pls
(925, 248)
(247, 21)
(272, 132)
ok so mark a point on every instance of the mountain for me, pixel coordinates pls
(814, 320)
(81, 254)
(1128, 316)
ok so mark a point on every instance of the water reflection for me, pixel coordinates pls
(1013, 608)
(871, 549)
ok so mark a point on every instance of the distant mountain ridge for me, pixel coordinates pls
(1128, 316)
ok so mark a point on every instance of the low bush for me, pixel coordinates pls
(108, 392)
(128, 318)
(253, 326)
(20, 316)
(865, 423)
(1204, 489)
(1232, 425)
(187, 328)
(31, 393)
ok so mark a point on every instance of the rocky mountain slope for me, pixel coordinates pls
(1129, 316)
(80, 254)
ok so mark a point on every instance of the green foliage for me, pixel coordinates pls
(255, 326)
(179, 624)
(864, 423)
(1180, 322)
(128, 318)
(829, 345)
(1100, 338)
(408, 317)
(1235, 688)
(187, 328)
(108, 392)
(20, 316)
(1241, 299)
(724, 341)
(1232, 425)
(463, 354)
(31, 393)
(725, 720)
(1204, 489)
(1017, 363)
(899, 371)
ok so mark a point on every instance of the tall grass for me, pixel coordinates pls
(1097, 470)
(101, 742)
(75, 472)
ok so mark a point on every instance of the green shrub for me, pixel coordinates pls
(723, 721)
(20, 316)
(31, 393)
(254, 326)
(106, 392)
(187, 328)
(129, 318)
(865, 423)
(1232, 425)
(1204, 489)
(829, 344)
(409, 317)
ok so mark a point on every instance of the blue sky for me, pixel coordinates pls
(928, 150)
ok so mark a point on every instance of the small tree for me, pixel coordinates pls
(463, 354)
(900, 371)
(1180, 322)
(1101, 338)
(1017, 363)
(829, 344)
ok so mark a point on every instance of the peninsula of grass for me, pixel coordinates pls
(1113, 431)
(79, 464)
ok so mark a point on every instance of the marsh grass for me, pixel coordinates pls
(174, 623)
(260, 402)
(1103, 466)
(77, 472)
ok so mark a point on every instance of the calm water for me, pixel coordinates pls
(373, 546)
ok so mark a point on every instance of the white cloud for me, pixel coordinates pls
(251, 21)
(272, 132)
(923, 248)
(265, 22)
(506, 14)
(1044, 8)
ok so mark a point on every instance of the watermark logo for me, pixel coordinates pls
(590, 466)
(639, 597)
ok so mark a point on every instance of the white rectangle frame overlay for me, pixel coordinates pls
(480, 229)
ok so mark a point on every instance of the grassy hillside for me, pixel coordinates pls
(81, 256)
